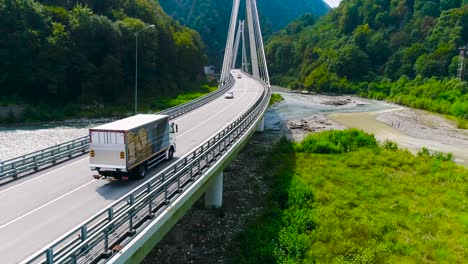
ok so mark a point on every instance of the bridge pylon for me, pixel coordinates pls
(259, 67)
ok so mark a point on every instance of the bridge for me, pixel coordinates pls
(53, 211)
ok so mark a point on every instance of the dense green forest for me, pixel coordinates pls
(340, 197)
(402, 50)
(211, 17)
(68, 53)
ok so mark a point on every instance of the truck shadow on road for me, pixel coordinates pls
(115, 189)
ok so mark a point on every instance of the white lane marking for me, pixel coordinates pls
(39, 208)
(220, 112)
(241, 112)
(199, 108)
(248, 105)
(38, 177)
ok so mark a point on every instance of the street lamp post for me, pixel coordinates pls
(136, 66)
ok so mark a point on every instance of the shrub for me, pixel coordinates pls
(390, 145)
(424, 152)
(462, 123)
(335, 142)
(440, 156)
(275, 98)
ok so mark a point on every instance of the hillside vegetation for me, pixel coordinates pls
(401, 50)
(69, 53)
(339, 197)
(211, 17)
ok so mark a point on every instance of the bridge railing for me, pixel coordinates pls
(49, 156)
(37, 159)
(105, 234)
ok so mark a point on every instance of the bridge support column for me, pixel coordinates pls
(261, 125)
(214, 193)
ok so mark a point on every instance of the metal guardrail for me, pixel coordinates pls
(109, 231)
(189, 106)
(49, 156)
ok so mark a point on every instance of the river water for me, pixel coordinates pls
(297, 106)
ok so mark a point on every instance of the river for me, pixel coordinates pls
(411, 129)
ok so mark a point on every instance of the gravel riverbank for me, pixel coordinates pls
(425, 125)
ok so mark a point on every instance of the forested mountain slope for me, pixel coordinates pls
(57, 52)
(403, 50)
(211, 17)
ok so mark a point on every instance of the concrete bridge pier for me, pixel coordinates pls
(261, 125)
(214, 193)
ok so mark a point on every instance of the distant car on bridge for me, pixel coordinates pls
(229, 95)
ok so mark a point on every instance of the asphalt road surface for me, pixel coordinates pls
(42, 207)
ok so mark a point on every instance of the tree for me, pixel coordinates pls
(82, 51)
(56, 64)
(353, 62)
(319, 80)
(349, 19)
(361, 36)
(378, 49)
(449, 4)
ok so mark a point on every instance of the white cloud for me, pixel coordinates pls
(333, 3)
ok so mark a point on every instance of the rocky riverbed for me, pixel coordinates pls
(17, 140)
(298, 129)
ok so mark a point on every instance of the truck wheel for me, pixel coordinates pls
(170, 154)
(142, 170)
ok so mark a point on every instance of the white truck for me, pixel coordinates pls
(126, 148)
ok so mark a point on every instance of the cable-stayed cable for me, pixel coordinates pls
(236, 45)
(225, 73)
(262, 47)
(253, 47)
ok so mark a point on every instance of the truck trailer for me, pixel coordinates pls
(126, 148)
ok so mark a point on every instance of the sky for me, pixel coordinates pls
(333, 3)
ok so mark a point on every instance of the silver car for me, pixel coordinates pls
(229, 95)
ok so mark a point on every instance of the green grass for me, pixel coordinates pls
(362, 204)
(275, 98)
(462, 123)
